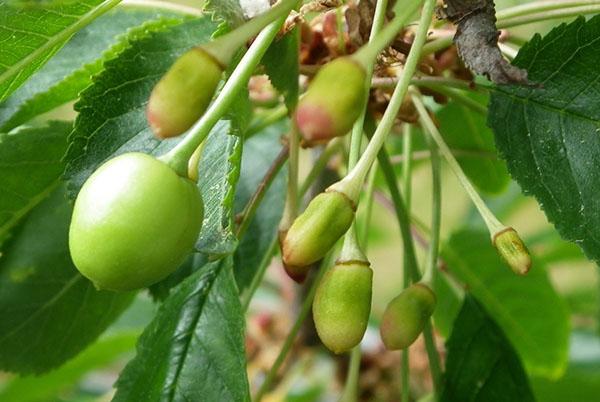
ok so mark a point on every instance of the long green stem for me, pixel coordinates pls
(547, 15)
(436, 210)
(263, 186)
(334, 146)
(407, 188)
(351, 249)
(259, 275)
(352, 183)
(459, 97)
(163, 5)
(493, 224)
(350, 393)
(539, 6)
(290, 210)
(409, 249)
(225, 47)
(289, 340)
(178, 157)
(367, 54)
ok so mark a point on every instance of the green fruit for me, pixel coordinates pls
(513, 251)
(182, 95)
(313, 233)
(342, 305)
(406, 316)
(333, 101)
(134, 222)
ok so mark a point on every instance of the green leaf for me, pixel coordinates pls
(72, 68)
(549, 132)
(31, 163)
(481, 365)
(581, 381)
(466, 130)
(112, 118)
(259, 153)
(228, 12)
(282, 63)
(30, 36)
(533, 316)
(48, 387)
(194, 348)
(219, 172)
(49, 311)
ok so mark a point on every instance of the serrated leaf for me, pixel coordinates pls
(259, 153)
(31, 163)
(466, 130)
(72, 68)
(219, 171)
(49, 311)
(481, 365)
(29, 36)
(549, 133)
(194, 348)
(228, 13)
(112, 117)
(282, 63)
(48, 387)
(533, 316)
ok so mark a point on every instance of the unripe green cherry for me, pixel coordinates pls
(313, 233)
(134, 222)
(406, 315)
(333, 101)
(342, 305)
(513, 251)
(183, 93)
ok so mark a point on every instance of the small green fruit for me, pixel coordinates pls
(342, 305)
(406, 315)
(513, 251)
(333, 101)
(183, 93)
(134, 222)
(313, 233)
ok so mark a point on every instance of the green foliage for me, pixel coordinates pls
(194, 347)
(548, 132)
(282, 65)
(31, 163)
(533, 316)
(112, 117)
(219, 172)
(481, 364)
(33, 35)
(44, 388)
(72, 68)
(49, 311)
(259, 153)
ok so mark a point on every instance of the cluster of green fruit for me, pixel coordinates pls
(137, 218)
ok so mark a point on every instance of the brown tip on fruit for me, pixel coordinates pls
(315, 125)
(298, 274)
(512, 250)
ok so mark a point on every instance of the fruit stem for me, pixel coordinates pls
(436, 210)
(289, 340)
(547, 15)
(540, 6)
(493, 224)
(351, 248)
(224, 48)
(352, 183)
(290, 210)
(179, 156)
(407, 188)
(350, 393)
(366, 55)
